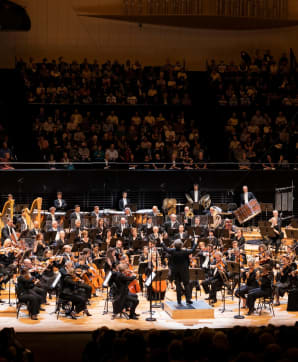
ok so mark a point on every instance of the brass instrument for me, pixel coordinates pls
(29, 214)
(190, 214)
(205, 201)
(169, 205)
(7, 211)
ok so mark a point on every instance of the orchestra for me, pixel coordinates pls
(83, 248)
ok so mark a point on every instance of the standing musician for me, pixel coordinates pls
(123, 299)
(276, 227)
(246, 196)
(180, 268)
(212, 284)
(195, 194)
(264, 289)
(59, 203)
(124, 201)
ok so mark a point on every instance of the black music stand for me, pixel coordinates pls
(138, 244)
(135, 260)
(50, 236)
(227, 244)
(224, 279)
(100, 263)
(234, 267)
(196, 274)
(265, 207)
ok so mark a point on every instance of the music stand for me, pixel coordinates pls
(224, 280)
(196, 274)
(161, 275)
(265, 207)
(100, 263)
(227, 244)
(292, 234)
(148, 284)
(138, 244)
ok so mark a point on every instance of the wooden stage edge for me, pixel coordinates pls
(49, 323)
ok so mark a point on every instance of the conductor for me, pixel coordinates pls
(180, 268)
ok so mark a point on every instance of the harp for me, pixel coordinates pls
(7, 212)
(34, 214)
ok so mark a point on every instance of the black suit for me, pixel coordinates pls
(192, 195)
(62, 207)
(121, 204)
(182, 237)
(73, 215)
(180, 269)
(5, 234)
(169, 226)
(250, 196)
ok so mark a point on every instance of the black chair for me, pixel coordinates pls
(265, 302)
(19, 304)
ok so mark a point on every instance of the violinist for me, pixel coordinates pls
(264, 256)
(26, 294)
(123, 299)
(283, 279)
(180, 268)
(34, 270)
(264, 289)
(111, 260)
(39, 246)
(212, 284)
(70, 290)
(276, 227)
(147, 229)
(85, 239)
(133, 238)
(249, 275)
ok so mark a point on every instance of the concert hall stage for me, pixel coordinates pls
(48, 321)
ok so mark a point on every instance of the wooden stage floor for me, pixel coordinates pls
(49, 323)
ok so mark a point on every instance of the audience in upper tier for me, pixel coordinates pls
(266, 138)
(257, 80)
(108, 83)
(238, 344)
(148, 138)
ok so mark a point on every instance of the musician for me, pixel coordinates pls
(77, 231)
(264, 290)
(155, 211)
(23, 222)
(127, 212)
(147, 229)
(25, 292)
(155, 236)
(34, 272)
(95, 214)
(67, 256)
(134, 237)
(182, 234)
(250, 277)
(276, 226)
(122, 229)
(195, 194)
(123, 298)
(180, 268)
(76, 215)
(172, 226)
(51, 217)
(8, 231)
(39, 246)
(100, 231)
(111, 260)
(246, 196)
(123, 201)
(59, 241)
(85, 239)
(187, 216)
(70, 290)
(55, 228)
(35, 230)
(60, 204)
(212, 239)
(214, 283)
(214, 212)
(239, 238)
(119, 249)
(198, 227)
(283, 279)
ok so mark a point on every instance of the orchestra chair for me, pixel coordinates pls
(62, 303)
(19, 304)
(265, 302)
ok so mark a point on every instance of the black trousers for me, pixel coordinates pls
(33, 301)
(211, 286)
(253, 295)
(276, 242)
(242, 291)
(39, 291)
(78, 301)
(179, 280)
(132, 302)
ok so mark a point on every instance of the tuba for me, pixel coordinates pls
(205, 201)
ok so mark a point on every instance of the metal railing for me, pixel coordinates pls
(145, 166)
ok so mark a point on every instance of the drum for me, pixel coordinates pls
(247, 211)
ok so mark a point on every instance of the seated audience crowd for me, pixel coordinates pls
(151, 139)
(259, 137)
(258, 79)
(7, 153)
(108, 83)
(239, 344)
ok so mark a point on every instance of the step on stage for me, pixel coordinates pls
(198, 310)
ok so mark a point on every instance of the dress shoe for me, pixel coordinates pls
(189, 302)
(34, 317)
(213, 301)
(42, 309)
(133, 317)
(87, 313)
(179, 303)
(250, 312)
(73, 315)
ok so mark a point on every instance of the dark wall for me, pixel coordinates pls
(145, 187)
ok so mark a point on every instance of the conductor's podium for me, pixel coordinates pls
(198, 310)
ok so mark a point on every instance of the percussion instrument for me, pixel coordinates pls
(247, 211)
